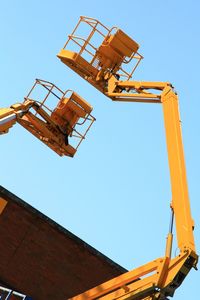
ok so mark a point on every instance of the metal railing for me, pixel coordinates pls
(8, 294)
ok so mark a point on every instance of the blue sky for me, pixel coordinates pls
(115, 192)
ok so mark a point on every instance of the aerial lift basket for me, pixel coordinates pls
(71, 118)
(100, 53)
(59, 119)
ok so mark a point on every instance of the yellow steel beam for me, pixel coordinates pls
(180, 196)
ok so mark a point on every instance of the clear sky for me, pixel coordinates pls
(115, 193)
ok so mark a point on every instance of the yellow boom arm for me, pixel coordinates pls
(8, 118)
(168, 98)
(159, 278)
(165, 274)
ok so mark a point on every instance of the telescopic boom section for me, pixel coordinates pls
(180, 196)
(105, 70)
(62, 128)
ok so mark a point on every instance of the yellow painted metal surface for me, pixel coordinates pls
(123, 44)
(3, 204)
(99, 62)
(160, 278)
(105, 71)
(72, 58)
(53, 127)
(6, 121)
(5, 112)
(69, 111)
(114, 49)
(180, 196)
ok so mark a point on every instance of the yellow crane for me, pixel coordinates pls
(69, 120)
(107, 59)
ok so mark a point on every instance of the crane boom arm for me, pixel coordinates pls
(163, 275)
(109, 68)
(9, 116)
(180, 196)
(6, 121)
(169, 100)
(165, 95)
